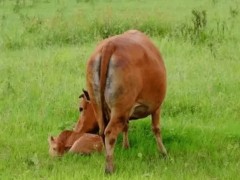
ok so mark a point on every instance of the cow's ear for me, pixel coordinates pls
(81, 96)
(86, 94)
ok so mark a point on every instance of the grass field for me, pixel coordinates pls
(44, 46)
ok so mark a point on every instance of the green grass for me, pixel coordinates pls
(44, 46)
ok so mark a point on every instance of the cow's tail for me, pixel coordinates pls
(107, 52)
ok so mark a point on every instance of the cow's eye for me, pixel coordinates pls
(80, 109)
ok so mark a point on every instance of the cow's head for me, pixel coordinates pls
(87, 121)
(85, 103)
(57, 145)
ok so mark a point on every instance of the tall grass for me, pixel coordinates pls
(81, 26)
(41, 32)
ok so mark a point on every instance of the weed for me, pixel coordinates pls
(215, 2)
(234, 11)
(199, 21)
(17, 6)
(195, 31)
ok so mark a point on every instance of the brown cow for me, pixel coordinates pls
(87, 122)
(71, 141)
(126, 79)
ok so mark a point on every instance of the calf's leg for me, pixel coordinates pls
(157, 132)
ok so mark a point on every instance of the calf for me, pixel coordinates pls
(72, 141)
(126, 79)
(87, 144)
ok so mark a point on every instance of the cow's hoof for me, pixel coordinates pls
(164, 155)
(126, 146)
(163, 151)
(109, 169)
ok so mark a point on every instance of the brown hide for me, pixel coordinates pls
(72, 141)
(63, 142)
(87, 144)
(87, 122)
(126, 79)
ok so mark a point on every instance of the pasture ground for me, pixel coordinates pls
(44, 46)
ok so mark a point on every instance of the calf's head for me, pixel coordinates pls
(58, 145)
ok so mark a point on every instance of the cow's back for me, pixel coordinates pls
(136, 72)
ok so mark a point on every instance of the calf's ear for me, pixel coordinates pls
(51, 139)
(86, 94)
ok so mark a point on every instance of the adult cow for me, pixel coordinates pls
(126, 79)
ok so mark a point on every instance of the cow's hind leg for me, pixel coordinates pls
(157, 131)
(125, 137)
(114, 127)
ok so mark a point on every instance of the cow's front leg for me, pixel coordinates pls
(114, 127)
(157, 131)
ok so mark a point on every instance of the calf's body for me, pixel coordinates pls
(87, 144)
(71, 141)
